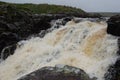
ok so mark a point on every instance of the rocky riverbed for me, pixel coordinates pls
(17, 25)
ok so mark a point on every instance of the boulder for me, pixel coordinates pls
(59, 72)
(8, 42)
(114, 25)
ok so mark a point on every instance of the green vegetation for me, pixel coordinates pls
(45, 8)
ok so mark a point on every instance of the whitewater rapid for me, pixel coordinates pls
(85, 45)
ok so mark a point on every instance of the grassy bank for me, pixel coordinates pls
(45, 8)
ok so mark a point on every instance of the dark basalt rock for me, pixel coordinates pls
(9, 50)
(10, 33)
(114, 25)
(118, 47)
(42, 24)
(57, 73)
(66, 19)
(7, 40)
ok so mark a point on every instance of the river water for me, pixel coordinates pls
(85, 45)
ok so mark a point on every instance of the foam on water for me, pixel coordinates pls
(84, 45)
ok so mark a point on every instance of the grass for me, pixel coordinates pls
(45, 8)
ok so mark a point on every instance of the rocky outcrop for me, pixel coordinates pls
(8, 42)
(59, 72)
(18, 24)
(15, 25)
(114, 25)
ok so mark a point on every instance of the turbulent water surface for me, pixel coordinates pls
(85, 45)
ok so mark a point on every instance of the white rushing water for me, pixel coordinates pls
(85, 45)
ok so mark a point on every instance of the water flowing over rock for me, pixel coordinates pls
(60, 72)
(113, 72)
(19, 24)
(85, 45)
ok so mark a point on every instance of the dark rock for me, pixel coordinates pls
(7, 40)
(114, 25)
(9, 50)
(57, 73)
(66, 19)
(42, 24)
(15, 25)
(118, 47)
(3, 26)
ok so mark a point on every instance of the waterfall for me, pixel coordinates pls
(85, 45)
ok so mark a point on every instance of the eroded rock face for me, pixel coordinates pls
(114, 25)
(59, 72)
(15, 25)
(8, 41)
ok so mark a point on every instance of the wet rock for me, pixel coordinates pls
(57, 73)
(114, 25)
(66, 19)
(15, 25)
(118, 47)
(7, 40)
(42, 24)
(7, 51)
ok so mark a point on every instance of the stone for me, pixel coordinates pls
(7, 40)
(114, 25)
(57, 73)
